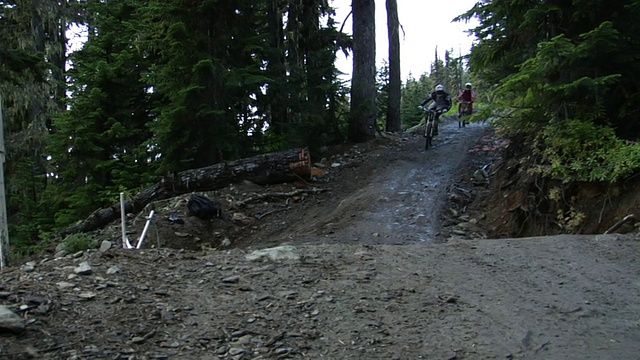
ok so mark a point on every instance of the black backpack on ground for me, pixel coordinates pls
(203, 208)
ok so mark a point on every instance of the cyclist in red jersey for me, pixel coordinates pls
(466, 96)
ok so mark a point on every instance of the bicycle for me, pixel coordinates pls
(463, 113)
(430, 126)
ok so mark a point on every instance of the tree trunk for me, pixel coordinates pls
(263, 169)
(395, 82)
(295, 68)
(363, 82)
(277, 91)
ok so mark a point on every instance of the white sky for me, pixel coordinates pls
(427, 24)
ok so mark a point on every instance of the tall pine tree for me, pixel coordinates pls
(99, 147)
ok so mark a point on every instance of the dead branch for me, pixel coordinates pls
(604, 205)
(626, 219)
(261, 216)
(278, 195)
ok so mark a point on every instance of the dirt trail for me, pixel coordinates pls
(339, 286)
(399, 202)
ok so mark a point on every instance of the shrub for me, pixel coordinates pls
(78, 242)
(577, 150)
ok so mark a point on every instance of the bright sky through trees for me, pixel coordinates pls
(426, 25)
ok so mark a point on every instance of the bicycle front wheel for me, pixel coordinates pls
(428, 135)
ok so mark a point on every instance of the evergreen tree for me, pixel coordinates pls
(207, 75)
(382, 98)
(454, 73)
(437, 73)
(316, 47)
(267, 65)
(160, 86)
(566, 71)
(31, 79)
(413, 92)
(98, 146)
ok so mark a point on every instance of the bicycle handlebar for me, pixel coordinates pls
(440, 111)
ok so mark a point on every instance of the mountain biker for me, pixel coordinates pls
(466, 97)
(440, 102)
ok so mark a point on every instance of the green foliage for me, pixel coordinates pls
(229, 84)
(79, 242)
(99, 144)
(451, 72)
(582, 151)
(159, 86)
(22, 251)
(16, 61)
(413, 92)
(570, 221)
(31, 90)
(382, 100)
(22, 194)
(454, 73)
(564, 82)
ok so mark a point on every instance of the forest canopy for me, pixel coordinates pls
(564, 82)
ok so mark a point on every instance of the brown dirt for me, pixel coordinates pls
(382, 257)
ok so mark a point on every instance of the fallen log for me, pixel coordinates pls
(272, 168)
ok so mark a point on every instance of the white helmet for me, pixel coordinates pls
(439, 87)
(467, 84)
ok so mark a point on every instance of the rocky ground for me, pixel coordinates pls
(382, 255)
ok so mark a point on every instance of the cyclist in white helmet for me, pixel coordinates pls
(440, 102)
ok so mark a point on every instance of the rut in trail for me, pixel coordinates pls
(400, 202)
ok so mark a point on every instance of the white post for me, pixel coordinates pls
(123, 220)
(4, 230)
(144, 231)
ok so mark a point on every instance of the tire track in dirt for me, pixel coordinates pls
(400, 202)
